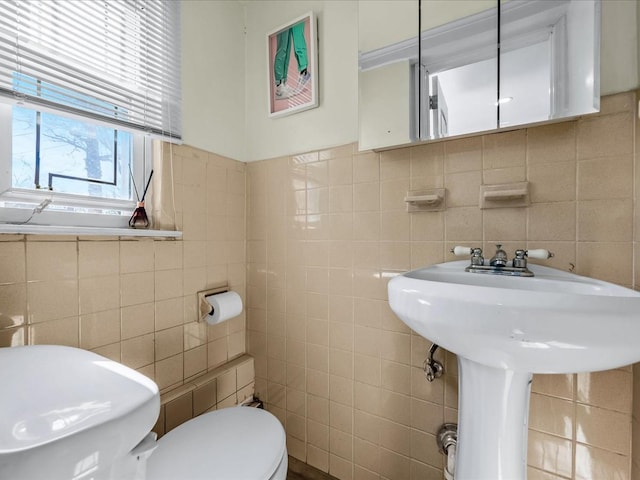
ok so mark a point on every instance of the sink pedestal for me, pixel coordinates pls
(492, 422)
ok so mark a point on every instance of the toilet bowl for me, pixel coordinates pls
(70, 414)
(232, 443)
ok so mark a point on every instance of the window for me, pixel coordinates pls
(84, 86)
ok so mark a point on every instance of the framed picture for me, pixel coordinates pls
(293, 66)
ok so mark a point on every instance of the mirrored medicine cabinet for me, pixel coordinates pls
(475, 66)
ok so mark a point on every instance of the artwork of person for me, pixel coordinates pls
(295, 35)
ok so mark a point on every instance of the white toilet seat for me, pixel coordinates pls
(236, 443)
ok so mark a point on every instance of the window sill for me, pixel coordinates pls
(86, 231)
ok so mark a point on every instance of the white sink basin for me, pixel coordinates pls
(555, 322)
(504, 329)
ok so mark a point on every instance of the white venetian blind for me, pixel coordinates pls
(110, 60)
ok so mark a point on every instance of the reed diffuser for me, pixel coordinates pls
(139, 218)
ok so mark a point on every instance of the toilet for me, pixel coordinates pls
(232, 443)
(71, 414)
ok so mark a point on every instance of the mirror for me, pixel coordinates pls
(549, 60)
(544, 68)
(459, 67)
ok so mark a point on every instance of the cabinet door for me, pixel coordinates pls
(459, 56)
(388, 51)
(549, 53)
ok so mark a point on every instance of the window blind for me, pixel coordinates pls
(115, 61)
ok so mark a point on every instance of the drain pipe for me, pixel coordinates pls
(447, 439)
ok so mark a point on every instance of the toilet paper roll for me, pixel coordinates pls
(223, 307)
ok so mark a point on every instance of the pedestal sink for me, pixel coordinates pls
(504, 329)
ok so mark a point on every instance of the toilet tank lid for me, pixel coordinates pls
(235, 443)
(52, 391)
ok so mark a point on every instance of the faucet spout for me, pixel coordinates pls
(500, 259)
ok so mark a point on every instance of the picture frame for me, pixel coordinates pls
(293, 66)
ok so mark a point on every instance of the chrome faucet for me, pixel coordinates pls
(499, 263)
(500, 258)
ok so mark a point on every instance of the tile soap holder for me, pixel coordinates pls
(505, 195)
(425, 200)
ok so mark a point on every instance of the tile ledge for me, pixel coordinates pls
(6, 228)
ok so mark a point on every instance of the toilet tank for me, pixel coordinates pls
(67, 413)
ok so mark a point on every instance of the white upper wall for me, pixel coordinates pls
(335, 121)
(225, 73)
(213, 72)
(619, 46)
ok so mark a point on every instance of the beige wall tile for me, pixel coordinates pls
(168, 284)
(13, 305)
(605, 220)
(13, 261)
(340, 468)
(605, 178)
(318, 458)
(136, 288)
(551, 415)
(424, 448)
(395, 164)
(561, 386)
(553, 182)
(605, 136)
(463, 155)
(392, 195)
(395, 407)
(98, 259)
(396, 377)
(340, 417)
(463, 224)
(502, 150)
(52, 261)
(99, 293)
(504, 224)
(65, 331)
(178, 411)
(136, 256)
(394, 465)
(341, 171)
(552, 221)
(595, 463)
(50, 300)
(365, 454)
(426, 416)
(549, 453)
(168, 342)
(611, 389)
(138, 351)
(216, 352)
(463, 189)
(504, 175)
(98, 329)
(593, 260)
(604, 429)
(366, 167)
(168, 255)
(137, 320)
(551, 143)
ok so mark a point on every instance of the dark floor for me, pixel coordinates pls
(294, 476)
(301, 471)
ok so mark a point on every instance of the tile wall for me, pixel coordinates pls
(327, 229)
(135, 300)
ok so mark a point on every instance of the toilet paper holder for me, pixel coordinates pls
(203, 306)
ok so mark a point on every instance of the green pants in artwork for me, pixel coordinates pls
(283, 51)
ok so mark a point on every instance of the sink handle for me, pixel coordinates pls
(476, 254)
(461, 251)
(539, 253)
